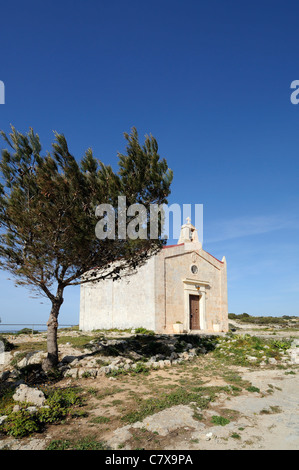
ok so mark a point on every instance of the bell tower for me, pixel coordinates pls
(189, 236)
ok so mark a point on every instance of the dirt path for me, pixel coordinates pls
(268, 419)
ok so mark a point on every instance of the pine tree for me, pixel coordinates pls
(47, 215)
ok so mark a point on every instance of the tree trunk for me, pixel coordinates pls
(52, 347)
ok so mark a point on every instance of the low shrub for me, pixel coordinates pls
(144, 331)
(21, 423)
(27, 331)
(220, 420)
(59, 404)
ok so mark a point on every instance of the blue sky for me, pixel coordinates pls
(211, 81)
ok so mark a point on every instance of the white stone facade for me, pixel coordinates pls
(158, 296)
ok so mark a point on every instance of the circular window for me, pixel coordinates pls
(194, 269)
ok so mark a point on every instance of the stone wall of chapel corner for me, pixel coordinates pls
(127, 303)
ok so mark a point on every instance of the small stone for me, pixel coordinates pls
(3, 418)
(31, 409)
(71, 373)
(251, 358)
(149, 364)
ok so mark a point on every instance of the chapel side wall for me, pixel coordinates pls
(96, 306)
(216, 298)
(159, 292)
(134, 299)
(126, 303)
(211, 272)
(224, 299)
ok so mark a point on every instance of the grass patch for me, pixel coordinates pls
(27, 347)
(80, 342)
(106, 392)
(219, 420)
(246, 318)
(253, 389)
(83, 444)
(235, 435)
(166, 400)
(144, 331)
(100, 420)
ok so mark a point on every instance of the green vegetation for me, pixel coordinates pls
(144, 331)
(27, 331)
(83, 444)
(38, 189)
(81, 342)
(107, 392)
(30, 346)
(219, 420)
(261, 320)
(201, 397)
(100, 420)
(253, 389)
(60, 403)
(146, 392)
(247, 350)
(235, 435)
(21, 423)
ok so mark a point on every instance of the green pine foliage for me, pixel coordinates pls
(47, 212)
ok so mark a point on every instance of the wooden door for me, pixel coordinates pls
(194, 312)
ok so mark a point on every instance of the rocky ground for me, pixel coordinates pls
(145, 391)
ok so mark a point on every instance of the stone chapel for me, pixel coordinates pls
(181, 289)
